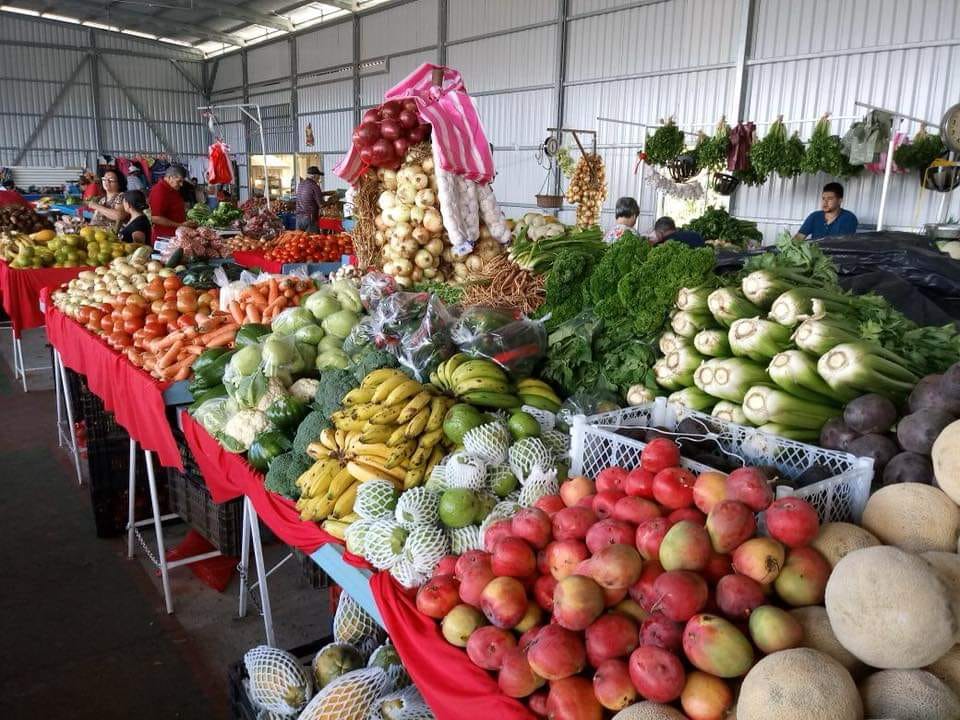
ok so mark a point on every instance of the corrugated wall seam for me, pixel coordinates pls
(871, 50)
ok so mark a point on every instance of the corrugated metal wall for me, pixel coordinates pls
(143, 102)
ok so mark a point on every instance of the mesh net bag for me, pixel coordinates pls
(464, 470)
(498, 474)
(400, 705)
(349, 697)
(356, 535)
(489, 442)
(557, 442)
(383, 543)
(334, 660)
(278, 682)
(546, 418)
(526, 454)
(538, 484)
(268, 715)
(354, 625)
(376, 499)
(501, 511)
(465, 538)
(425, 547)
(408, 575)
(418, 506)
(437, 479)
(387, 658)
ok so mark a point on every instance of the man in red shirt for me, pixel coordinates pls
(167, 210)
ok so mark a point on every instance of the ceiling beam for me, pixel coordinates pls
(227, 9)
(347, 5)
(141, 21)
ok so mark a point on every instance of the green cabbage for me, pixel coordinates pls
(291, 320)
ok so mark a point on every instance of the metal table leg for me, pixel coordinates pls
(158, 527)
(71, 435)
(131, 497)
(244, 558)
(254, 525)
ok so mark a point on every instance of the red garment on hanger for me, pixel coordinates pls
(219, 169)
(741, 138)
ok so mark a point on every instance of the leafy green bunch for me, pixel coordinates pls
(824, 153)
(766, 153)
(920, 152)
(717, 224)
(711, 151)
(665, 144)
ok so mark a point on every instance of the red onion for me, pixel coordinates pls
(372, 115)
(419, 133)
(409, 119)
(368, 133)
(382, 153)
(410, 105)
(390, 130)
(390, 110)
(366, 155)
(400, 146)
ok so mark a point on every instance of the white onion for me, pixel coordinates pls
(474, 263)
(390, 268)
(406, 193)
(421, 235)
(416, 215)
(386, 200)
(404, 267)
(435, 246)
(402, 230)
(427, 165)
(389, 179)
(430, 273)
(401, 213)
(387, 217)
(414, 169)
(432, 221)
(408, 247)
(423, 259)
(421, 180)
(426, 198)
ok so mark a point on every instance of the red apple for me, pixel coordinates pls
(649, 535)
(673, 487)
(611, 478)
(610, 532)
(496, 532)
(605, 501)
(660, 631)
(656, 674)
(572, 523)
(660, 454)
(438, 596)
(543, 589)
(513, 557)
(487, 646)
(534, 526)
(550, 504)
(750, 486)
(792, 521)
(639, 483)
(564, 556)
(612, 635)
(556, 653)
(575, 488)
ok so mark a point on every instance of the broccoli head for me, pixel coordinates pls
(284, 471)
(334, 384)
(309, 430)
(371, 358)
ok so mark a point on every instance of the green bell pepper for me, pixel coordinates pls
(266, 446)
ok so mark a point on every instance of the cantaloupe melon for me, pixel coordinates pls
(946, 460)
(890, 609)
(798, 684)
(818, 634)
(836, 539)
(947, 566)
(913, 517)
(913, 694)
(649, 711)
(947, 669)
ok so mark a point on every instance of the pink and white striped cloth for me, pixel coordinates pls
(458, 133)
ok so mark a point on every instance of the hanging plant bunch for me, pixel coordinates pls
(565, 162)
(721, 229)
(588, 189)
(766, 154)
(791, 164)
(824, 153)
(711, 151)
(665, 144)
(919, 153)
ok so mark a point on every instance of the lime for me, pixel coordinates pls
(459, 420)
(503, 482)
(458, 507)
(523, 425)
(485, 504)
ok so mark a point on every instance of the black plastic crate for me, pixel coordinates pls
(310, 572)
(190, 499)
(241, 706)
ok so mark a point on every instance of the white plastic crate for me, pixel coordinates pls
(841, 497)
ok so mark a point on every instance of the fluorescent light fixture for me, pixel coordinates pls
(137, 33)
(19, 10)
(100, 26)
(61, 18)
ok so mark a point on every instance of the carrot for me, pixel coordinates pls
(169, 340)
(193, 350)
(170, 356)
(236, 312)
(212, 323)
(221, 337)
(274, 291)
(253, 313)
(257, 297)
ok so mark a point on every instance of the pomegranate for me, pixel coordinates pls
(446, 566)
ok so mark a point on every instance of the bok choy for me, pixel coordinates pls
(688, 323)
(728, 304)
(758, 339)
(861, 367)
(729, 412)
(712, 343)
(729, 378)
(796, 372)
(764, 404)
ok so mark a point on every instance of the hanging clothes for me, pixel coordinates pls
(741, 138)
(867, 138)
(219, 170)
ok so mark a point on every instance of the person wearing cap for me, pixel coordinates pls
(309, 200)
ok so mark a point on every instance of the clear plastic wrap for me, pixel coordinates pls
(517, 345)
(374, 287)
(416, 327)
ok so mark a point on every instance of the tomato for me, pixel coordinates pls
(122, 298)
(167, 316)
(153, 290)
(673, 487)
(93, 318)
(187, 320)
(186, 300)
(132, 325)
(83, 314)
(171, 283)
(170, 296)
(156, 306)
(659, 454)
(150, 317)
(120, 339)
(130, 312)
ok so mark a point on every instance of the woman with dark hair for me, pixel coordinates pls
(137, 228)
(108, 210)
(627, 212)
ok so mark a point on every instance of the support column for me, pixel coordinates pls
(356, 69)
(563, 7)
(95, 94)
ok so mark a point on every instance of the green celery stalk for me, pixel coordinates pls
(764, 404)
(691, 398)
(730, 412)
(861, 367)
(670, 341)
(791, 433)
(687, 324)
(729, 378)
(758, 339)
(712, 343)
(819, 335)
(693, 299)
(796, 372)
(728, 304)
(762, 287)
(794, 306)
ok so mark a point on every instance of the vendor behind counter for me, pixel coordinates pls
(831, 218)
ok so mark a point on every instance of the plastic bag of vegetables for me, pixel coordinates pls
(243, 378)
(291, 320)
(516, 345)
(281, 358)
(213, 414)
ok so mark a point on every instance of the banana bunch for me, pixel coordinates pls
(538, 394)
(477, 381)
(327, 489)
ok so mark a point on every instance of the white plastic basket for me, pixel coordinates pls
(841, 497)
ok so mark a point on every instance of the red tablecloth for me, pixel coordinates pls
(251, 258)
(443, 673)
(131, 394)
(228, 476)
(20, 290)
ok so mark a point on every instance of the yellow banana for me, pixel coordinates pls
(341, 438)
(311, 477)
(431, 439)
(387, 416)
(341, 481)
(420, 457)
(416, 426)
(364, 472)
(397, 437)
(316, 451)
(438, 409)
(372, 450)
(349, 518)
(436, 456)
(413, 478)
(377, 467)
(364, 411)
(413, 406)
(344, 504)
(328, 438)
(351, 425)
(337, 528)
(483, 384)
(403, 392)
(376, 377)
(357, 396)
(387, 386)
(376, 433)
(316, 509)
(400, 453)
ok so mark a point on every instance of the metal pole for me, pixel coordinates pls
(887, 172)
(560, 92)
(261, 574)
(158, 526)
(131, 497)
(244, 558)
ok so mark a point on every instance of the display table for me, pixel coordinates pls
(254, 258)
(131, 394)
(21, 288)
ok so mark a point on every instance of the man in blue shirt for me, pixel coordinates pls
(832, 219)
(666, 229)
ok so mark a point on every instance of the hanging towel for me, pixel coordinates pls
(457, 131)
(868, 137)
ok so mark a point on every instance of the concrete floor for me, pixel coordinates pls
(85, 634)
